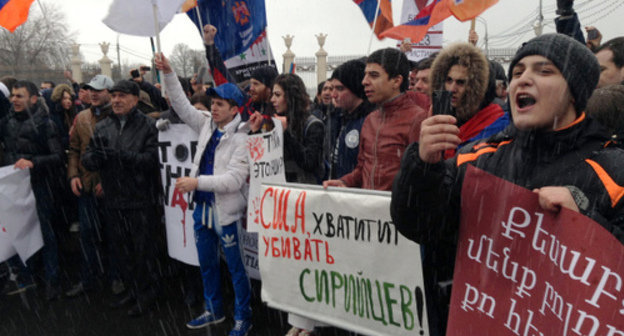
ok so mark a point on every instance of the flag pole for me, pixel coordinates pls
(201, 30)
(266, 31)
(199, 19)
(370, 41)
(158, 48)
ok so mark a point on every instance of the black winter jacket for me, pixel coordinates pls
(425, 203)
(127, 160)
(31, 135)
(346, 143)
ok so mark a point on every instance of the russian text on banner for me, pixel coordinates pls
(266, 165)
(523, 271)
(335, 256)
(19, 224)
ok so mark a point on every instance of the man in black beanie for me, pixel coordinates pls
(353, 107)
(552, 148)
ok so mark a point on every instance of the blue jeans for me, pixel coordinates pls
(90, 237)
(207, 237)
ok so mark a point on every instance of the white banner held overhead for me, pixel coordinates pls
(336, 257)
(19, 224)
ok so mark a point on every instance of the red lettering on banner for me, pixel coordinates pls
(178, 200)
(313, 250)
(279, 199)
(300, 212)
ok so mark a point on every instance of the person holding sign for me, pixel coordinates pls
(303, 132)
(303, 150)
(552, 148)
(218, 178)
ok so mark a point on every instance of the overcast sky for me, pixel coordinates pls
(341, 20)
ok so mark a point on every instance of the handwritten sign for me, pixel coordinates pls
(266, 165)
(336, 257)
(20, 232)
(177, 149)
(523, 271)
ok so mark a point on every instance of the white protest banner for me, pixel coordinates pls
(432, 42)
(335, 256)
(266, 165)
(177, 148)
(265, 152)
(19, 224)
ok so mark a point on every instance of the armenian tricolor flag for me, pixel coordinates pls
(13, 13)
(436, 12)
(383, 15)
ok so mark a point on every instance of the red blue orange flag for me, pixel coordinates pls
(436, 12)
(465, 10)
(383, 15)
(13, 13)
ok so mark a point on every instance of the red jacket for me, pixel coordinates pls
(385, 135)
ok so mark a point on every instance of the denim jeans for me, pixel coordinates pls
(208, 234)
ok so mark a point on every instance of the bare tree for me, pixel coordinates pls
(41, 44)
(185, 61)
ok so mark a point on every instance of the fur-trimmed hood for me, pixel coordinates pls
(57, 94)
(478, 75)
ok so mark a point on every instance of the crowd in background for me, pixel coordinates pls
(381, 122)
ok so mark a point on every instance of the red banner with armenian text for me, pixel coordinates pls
(521, 270)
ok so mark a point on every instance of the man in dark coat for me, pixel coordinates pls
(31, 141)
(353, 107)
(124, 151)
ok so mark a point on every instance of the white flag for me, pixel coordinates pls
(19, 225)
(136, 17)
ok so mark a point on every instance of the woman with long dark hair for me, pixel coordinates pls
(303, 132)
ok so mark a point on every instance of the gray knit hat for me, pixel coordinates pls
(351, 74)
(577, 63)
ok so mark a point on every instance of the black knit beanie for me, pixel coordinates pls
(265, 75)
(577, 63)
(351, 74)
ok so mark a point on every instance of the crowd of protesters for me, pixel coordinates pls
(382, 123)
